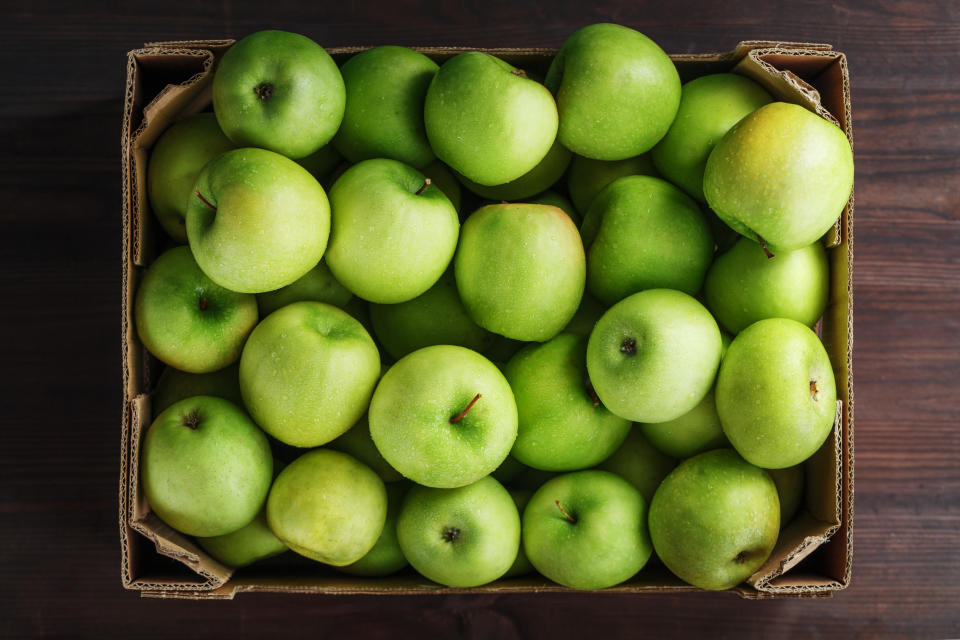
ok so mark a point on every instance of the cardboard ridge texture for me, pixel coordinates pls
(169, 80)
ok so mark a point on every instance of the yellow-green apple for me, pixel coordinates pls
(175, 161)
(538, 179)
(205, 468)
(587, 177)
(781, 176)
(441, 176)
(587, 530)
(393, 233)
(557, 200)
(644, 233)
(385, 557)
(386, 88)
(246, 545)
(257, 221)
(188, 321)
(715, 519)
(175, 385)
(617, 92)
(639, 463)
(462, 537)
(318, 285)
(586, 317)
(279, 91)
(307, 373)
(358, 443)
(789, 483)
(443, 416)
(776, 393)
(694, 432)
(520, 269)
(487, 120)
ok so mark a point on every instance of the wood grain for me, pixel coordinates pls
(59, 271)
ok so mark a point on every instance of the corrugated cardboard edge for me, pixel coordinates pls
(793, 545)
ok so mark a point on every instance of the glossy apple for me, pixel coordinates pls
(538, 179)
(587, 177)
(318, 285)
(639, 463)
(694, 432)
(386, 556)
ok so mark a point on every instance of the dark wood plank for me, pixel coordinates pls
(59, 270)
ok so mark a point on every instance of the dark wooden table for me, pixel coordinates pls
(61, 87)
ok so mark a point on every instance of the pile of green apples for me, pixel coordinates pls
(505, 380)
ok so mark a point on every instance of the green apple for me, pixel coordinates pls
(385, 557)
(652, 357)
(487, 120)
(743, 285)
(434, 317)
(279, 91)
(321, 163)
(776, 394)
(586, 317)
(246, 545)
(386, 88)
(307, 373)
(318, 284)
(188, 321)
(617, 92)
(644, 233)
(587, 530)
(538, 179)
(562, 425)
(694, 432)
(443, 416)
(726, 340)
(393, 233)
(639, 463)
(790, 483)
(781, 176)
(509, 469)
(175, 385)
(521, 566)
(462, 537)
(257, 221)
(557, 200)
(520, 269)
(205, 468)
(502, 349)
(441, 176)
(358, 443)
(327, 506)
(588, 177)
(175, 161)
(715, 519)
(709, 107)
(359, 309)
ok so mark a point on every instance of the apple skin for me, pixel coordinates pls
(776, 393)
(318, 284)
(175, 161)
(654, 355)
(205, 468)
(538, 179)
(606, 545)
(416, 231)
(639, 463)
(644, 233)
(521, 566)
(386, 557)
(358, 443)
(462, 537)
(487, 120)
(586, 177)
(443, 178)
(413, 407)
(327, 506)
(790, 485)
(715, 519)
(617, 92)
(562, 427)
(694, 432)
(709, 107)
(386, 88)
(246, 545)
(307, 373)
(257, 221)
(557, 200)
(743, 285)
(782, 173)
(188, 321)
(175, 385)
(520, 270)
(437, 316)
(280, 91)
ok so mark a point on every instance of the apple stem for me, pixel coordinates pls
(519, 72)
(264, 91)
(591, 392)
(192, 420)
(457, 418)
(426, 183)
(813, 389)
(741, 557)
(628, 347)
(764, 245)
(565, 514)
(203, 304)
(204, 200)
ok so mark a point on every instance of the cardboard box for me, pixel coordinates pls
(168, 80)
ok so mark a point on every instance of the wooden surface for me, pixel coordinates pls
(60, 270)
